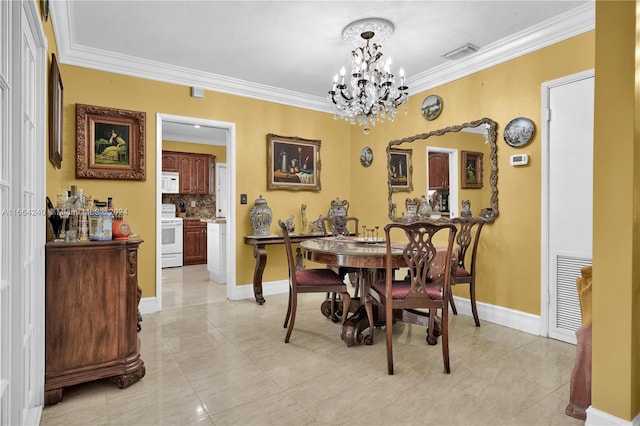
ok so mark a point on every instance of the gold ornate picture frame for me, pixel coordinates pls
(400, 170)
(55, 113)
(110, 143)
(293, 163)
(471, 170)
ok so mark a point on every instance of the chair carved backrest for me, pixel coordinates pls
(468, 237)
(339, 225)
(420, 254)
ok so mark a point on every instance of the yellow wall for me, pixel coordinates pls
(616, 236)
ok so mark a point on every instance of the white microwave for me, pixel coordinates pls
(170, 182)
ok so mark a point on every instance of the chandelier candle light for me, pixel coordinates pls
(372, 94)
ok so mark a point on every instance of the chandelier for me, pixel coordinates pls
(373, 94)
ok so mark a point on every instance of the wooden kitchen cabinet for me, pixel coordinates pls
(170, 161)
(197, 171)
(194, 244)
(91, 315)
(439, 171)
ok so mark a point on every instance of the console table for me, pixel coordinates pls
(260, 244)
(91, 315)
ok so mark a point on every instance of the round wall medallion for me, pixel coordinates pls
(366, 156)
(519, 132)
(431, 107)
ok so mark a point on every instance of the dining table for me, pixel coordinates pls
(369, 256)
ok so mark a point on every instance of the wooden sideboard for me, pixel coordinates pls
(91, 315)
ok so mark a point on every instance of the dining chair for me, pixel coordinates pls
(419, 292)
(320, 280)
(340, 225)
(465, 273)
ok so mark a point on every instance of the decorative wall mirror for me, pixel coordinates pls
(438, 172)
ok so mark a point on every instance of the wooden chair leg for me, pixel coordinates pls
(294, 307)
(389, 335)
(472, 294)
(286, 318)
(444, 340)
(453, 304)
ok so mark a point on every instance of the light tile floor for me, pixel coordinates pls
(214, 361)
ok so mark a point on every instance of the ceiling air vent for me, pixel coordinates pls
(458, 53)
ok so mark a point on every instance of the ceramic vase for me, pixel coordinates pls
(261, 217)
(120, 230)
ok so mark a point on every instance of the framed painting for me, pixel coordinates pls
(471, 170)
(55, 114)
(110, 143)
(293, 163)
(400, 170)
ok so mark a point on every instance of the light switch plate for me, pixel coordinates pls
(243, 198)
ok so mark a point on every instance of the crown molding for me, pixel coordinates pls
(559, 28)
(562, 27)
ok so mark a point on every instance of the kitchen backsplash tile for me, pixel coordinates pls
(205, 205)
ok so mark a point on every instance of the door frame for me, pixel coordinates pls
(545, 289)
(453, 176)
(231, 208)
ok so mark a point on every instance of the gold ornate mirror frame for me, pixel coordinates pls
(490, 213)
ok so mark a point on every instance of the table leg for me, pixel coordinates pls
(369, 276)
(353, 327)
(260, 254)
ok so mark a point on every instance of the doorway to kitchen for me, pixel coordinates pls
(226, 131)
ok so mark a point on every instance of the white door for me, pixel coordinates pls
(222, 189)
(22, 199)
(568, 205)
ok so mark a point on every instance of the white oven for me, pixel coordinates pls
(172, 231)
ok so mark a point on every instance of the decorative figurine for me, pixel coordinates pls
(315, 226)
(291, 225)
(303, 215)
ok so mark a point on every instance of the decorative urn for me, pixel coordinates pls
(261, 217)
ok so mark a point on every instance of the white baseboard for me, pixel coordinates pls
(148, 305)
(511, 318)
(596, 417)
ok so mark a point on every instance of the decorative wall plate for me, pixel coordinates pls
(366, 156)
(519, 132)
(431, 107)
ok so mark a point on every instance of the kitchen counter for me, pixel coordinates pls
(220, 220)
(216, 250)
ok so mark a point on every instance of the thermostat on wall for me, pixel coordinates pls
(519, 160)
